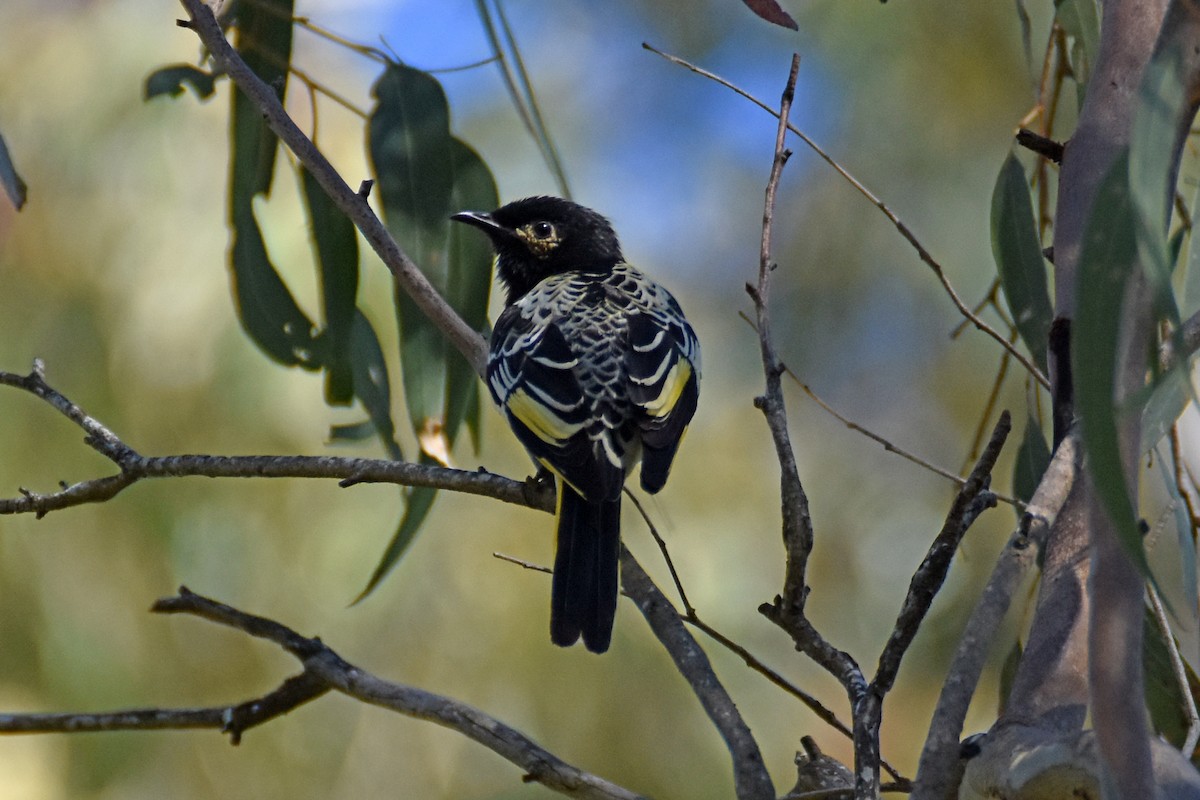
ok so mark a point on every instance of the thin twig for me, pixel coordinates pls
(888, 445)
(1179, 467)
(689, 610)
(970, 502)
(988, 407)
(520, 562)
(1178, 670)
(373, 53)
(903, 229)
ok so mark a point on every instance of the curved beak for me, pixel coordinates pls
(485, 223)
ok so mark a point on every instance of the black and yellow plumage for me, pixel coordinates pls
(596, 369)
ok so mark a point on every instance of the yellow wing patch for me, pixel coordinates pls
(673, 385)
(541, 421)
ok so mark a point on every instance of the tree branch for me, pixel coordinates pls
(972, 500)
(750, 776)
(406, 273)
(135, 467)
(937, 773)
(325, 670)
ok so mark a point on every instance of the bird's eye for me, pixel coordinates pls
(543, 230)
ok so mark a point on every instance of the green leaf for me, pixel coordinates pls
(171, 80)
(1183, 531)
(266, 308)
(1167, 399)
(1161, 102)
(1019, 259)
(1081, 20)
(371, 385)
(418, 502)
(14, 187)
(264, 40)
(469, 284)
(352, 432)
(1107, 260)
(411, 151)
(1152, 176)
(337, 253)
(1033, 458)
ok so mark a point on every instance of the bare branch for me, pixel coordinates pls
(324, 670)
(350, 471)
(938, 769)
(750, 776)
(406, 273)
(901, 228)
(325, 666)
(970, 502)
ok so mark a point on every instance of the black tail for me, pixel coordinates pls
(583, 596)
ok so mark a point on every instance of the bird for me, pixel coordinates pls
(596, 369)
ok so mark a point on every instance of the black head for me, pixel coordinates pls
(538, 237)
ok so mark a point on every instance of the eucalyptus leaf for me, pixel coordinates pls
(1019, 259)
(1183, 532)
(1081, 20)
(336, 243)
(266, 308)
(417, 505)
(264, 41)
(14, 187)
(469, 284)
(1167, 399)
(1033, 457)
(411, 152)
(171, 80)
(1107, 261)
(371, 385)
(352, 432)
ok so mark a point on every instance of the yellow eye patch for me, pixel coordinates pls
(540, 237)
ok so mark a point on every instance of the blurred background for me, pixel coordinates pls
(115, 275)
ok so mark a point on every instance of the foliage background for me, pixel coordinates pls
(115, 275)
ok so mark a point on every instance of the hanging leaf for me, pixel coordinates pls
(267, 310)
(1019, 260)
(352, 432)
(772, 12)
(1183, 531)
(14, 187)
(1152, 177)
(411, 151)
(1106, 262)
(1033, 458)
(1081, 20)
(264, 41)
(469, 284)
(1167, 399)
(337, 254)
(172, 79)
(417, 504)
(371, 385)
